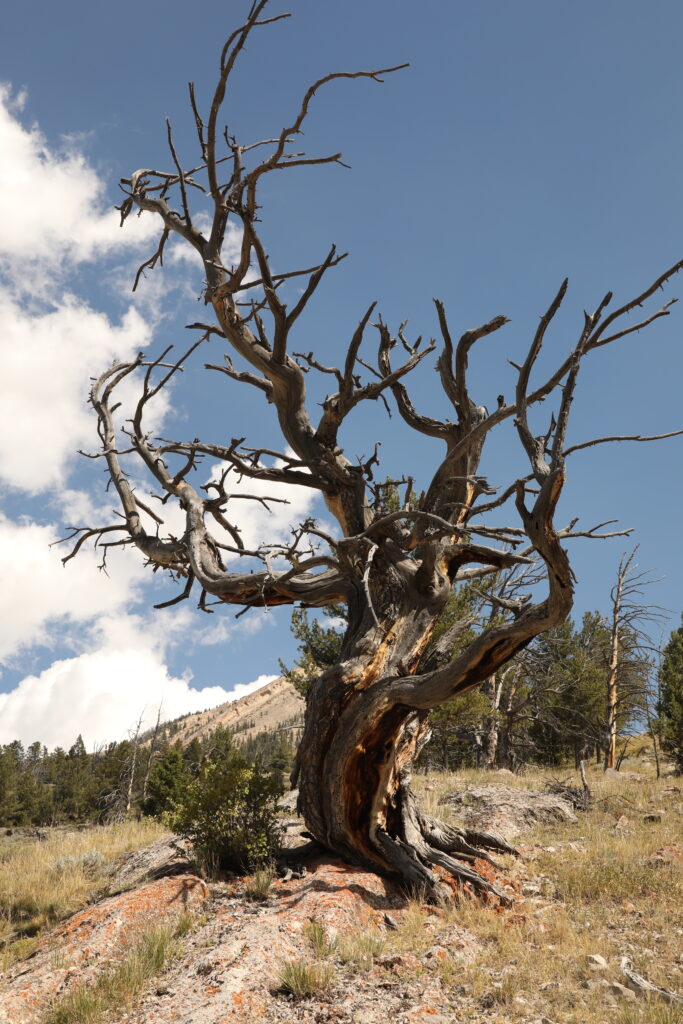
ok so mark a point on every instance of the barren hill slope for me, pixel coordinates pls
(267, 708)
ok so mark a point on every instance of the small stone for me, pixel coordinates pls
(596, 962)
(628, 907)
(437, 953)
(652, 819)
(402, 961)
(624, 993)
(621, 822)
(391, 922)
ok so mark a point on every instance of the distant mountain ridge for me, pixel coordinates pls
(270, 707)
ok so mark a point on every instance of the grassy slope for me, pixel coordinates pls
(42, 882)
(592, 890)
(598, 894)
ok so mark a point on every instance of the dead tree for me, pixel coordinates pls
(367, 717)
(630, 649)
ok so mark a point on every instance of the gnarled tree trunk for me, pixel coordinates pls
(367, 719)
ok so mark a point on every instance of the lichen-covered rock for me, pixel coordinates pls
(231, 965)
(231, 961)
(506, 810)
(77, 950)
(168, 856)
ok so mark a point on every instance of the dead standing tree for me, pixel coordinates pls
(367, 717)
(629, 654)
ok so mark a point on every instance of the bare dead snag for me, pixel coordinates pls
(628, 642)
(368, 716)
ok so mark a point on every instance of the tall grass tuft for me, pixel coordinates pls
(119, 987)
(302, 979)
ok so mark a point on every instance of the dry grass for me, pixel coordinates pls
(598, 891)
(358, 949)
(257, 887)
(321, 945)
(303, 979)
(119, 987)
(43, 882)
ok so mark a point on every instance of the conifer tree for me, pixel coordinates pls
(671, 695)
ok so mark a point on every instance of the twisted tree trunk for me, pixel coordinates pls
(367, 719)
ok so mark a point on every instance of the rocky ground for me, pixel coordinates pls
(596, 898)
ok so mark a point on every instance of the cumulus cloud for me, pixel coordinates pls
(47, 362)
(102, 694)
(39, 592)
(52, 203)
(119, 671)
(55, 217)
(109, 665)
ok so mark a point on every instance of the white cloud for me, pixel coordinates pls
(47, 362)
(119, 670)
(39, 592)
(102, 694)
(54, 217)
(52, 205)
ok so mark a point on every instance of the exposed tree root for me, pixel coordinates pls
(415, 862)
(426, 843)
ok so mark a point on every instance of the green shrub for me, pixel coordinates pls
(228, 812)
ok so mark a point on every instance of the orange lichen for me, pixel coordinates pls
(92, 937)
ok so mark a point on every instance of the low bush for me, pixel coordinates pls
(228, 812)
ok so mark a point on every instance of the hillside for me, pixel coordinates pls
(100, 927)
(270, 707)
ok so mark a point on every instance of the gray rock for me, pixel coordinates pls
(506, 810)
(624, 993)
(597, 962)
(288, 801)
(168, 856)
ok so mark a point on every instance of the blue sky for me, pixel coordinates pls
(527, 142)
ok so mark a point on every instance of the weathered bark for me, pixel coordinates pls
(629, 645)
(367, 720)
(494, 689)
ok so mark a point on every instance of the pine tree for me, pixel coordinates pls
(167, 781)
(671, 695)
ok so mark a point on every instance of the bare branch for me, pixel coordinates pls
(621, 437)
